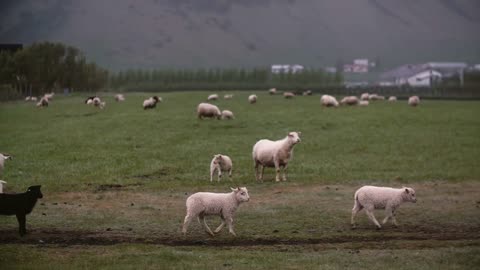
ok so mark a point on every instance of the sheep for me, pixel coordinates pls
(373, 97)
(43, 102)
(267, 153)
(349, 100)
(89, 100)
(203, 204)
(20, 205)
(119, 97)
(28, 98)
(371, 197)
(3, 157)
(307, 93)
(272, 91)
(252, 99)
(220, 163)
(228, 96)
(288, 95)
(363, 103)
(1, 185)
(33, 98)
(226, 114)
(392, 98)
(49, 96)
(208, 110)
(413, 101)
(97, 102)
(328, 101)
(364, 96)
(213, 97)
(151, 102)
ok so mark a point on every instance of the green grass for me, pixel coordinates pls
(161, 156)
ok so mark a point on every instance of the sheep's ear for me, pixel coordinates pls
(407, 191)
(290, 134)
(233, 189)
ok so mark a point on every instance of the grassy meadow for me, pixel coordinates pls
(115, 183)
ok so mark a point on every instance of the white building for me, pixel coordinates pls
(276, 69)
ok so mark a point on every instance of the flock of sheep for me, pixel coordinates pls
(265, 153)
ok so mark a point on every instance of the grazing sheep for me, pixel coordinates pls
(307, 93)
(208, 110)
(328, 101)
(1, 185)
(373, 97)
(151, 102)
(225, 205)
(220, 163)
(33, 98)
(3, 157)
(228, 96)
(267, 153)
(252, 99)
(363, 103)
(89, 100)
(20, 205)
(213, 97)
(349, 100)
(371, 197)
(28, 98)
(288, 95)
(272, 91)
(43, 102)
(392, 98)
(364, 96)
(119, 97)
(226, 114)
(413, 101)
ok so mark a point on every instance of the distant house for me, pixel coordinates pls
(277, 69)
(422, 75)
(358, 66)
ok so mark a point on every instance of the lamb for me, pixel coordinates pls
(33, 98)
(413, 101)
(151, 102)
(349, 100)
(328, 101)
(28, 98)
(364, 96)
(272, 91)
(228, 96)
(220, 163)
(3, 157)
(371, 197)
(363, 103)
(226, 114)
(267, 153)
(203, 204)
(307, 93)
(213, 97)
(89, 100)
(208, 110)
(1, 185)
(97, 102)
(288, 95)
(20, 205)
(252, 99)
(392, 98)
(49, 96)
(43, 102)
(373, 97)
(119, 97)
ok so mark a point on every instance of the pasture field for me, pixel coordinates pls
(115, 183)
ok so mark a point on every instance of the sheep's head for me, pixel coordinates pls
(217, 159)
(294, 137)
(155, 98)
(7, 156)
(35, 190)
(409, 195)
(241, 194)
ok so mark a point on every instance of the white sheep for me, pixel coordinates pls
(213, 97)
(413, 101)
(252, 99)
(33, 99)
(151, 102)
(43, 102)
(288, 95)
(89, 101)
(392, 98)
(272, 91)
(371, 197)
(230, 96)
(363, 103)
(28, 98)
(203, 204)
(1, 185)
(267, 153)
(49, 96)
(307, 93)
(364, 96)
(3, 157)
(349, 100)
(373, 97)
(226, 114)
(328, 101)
(119, 97)
(208, 110)
(220, 163)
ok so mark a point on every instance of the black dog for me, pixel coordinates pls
(20, 205)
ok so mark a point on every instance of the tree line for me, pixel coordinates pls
(45, 67)
(221, 79)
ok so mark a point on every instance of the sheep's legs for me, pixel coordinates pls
(356, 208)
(258, 174)
(277, 172)
(230, 226)
(186, 222)
(21, 224)
(211, 174)
(285, 173)
(372, 218)
(388, 214)
(219, 228)
(202, 218)
(230, 173)
(394, 220)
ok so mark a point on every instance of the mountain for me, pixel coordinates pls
(121, 34)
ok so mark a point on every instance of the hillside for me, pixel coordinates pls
(187, 33)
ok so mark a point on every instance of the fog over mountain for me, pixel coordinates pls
(121, 34)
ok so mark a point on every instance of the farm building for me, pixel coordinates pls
(277, 69)
(423, 75)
